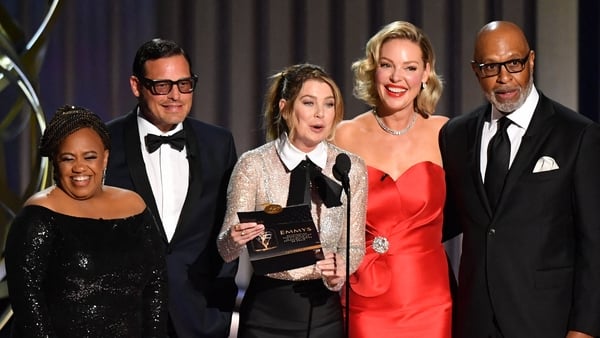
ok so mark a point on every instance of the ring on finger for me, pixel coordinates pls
(243, 233)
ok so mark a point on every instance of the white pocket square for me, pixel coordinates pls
(545, 163)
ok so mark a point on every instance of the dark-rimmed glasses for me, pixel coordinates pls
(493, 69)
(164, 87)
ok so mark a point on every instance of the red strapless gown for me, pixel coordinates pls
(403, 292)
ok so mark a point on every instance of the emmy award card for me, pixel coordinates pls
(290, 239)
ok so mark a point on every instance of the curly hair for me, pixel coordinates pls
(286, 85)
(364, 69)
(67, 120)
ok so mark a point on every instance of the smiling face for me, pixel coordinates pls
(311, 116)
(80, 162)
(399, 74)
(164, 111)
(500, 42)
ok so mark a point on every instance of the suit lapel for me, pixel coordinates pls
(194, 192)
(137, 168)
(538, 131)
(474, 131)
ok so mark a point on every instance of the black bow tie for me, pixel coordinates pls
(300, 186)
(176, 141)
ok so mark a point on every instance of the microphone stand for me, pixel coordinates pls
(341, 171)
(346, 186)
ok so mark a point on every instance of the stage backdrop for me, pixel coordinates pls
(236, 44)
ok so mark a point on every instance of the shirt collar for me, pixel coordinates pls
(522, 116)
(146, 127)
(292, 156)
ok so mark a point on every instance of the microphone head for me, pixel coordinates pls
(341, 168)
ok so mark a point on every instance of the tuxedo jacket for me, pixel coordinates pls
(533, 266)
(201, 287)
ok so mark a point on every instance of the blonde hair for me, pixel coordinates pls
(364, 69)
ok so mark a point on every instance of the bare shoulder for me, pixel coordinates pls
(346, 127)
(347, 132)
(41, 198)
(436, 122)
(124, 200)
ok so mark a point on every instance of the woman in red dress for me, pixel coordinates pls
(402, 287)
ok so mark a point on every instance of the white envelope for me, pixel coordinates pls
(545, 163)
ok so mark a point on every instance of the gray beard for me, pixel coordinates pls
(509, 107)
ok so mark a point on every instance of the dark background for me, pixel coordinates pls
(236, 44)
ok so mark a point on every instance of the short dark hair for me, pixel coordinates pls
(156, 49)
(66, 121)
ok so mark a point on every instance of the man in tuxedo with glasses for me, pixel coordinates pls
(181, 167)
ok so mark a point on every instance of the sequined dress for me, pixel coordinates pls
(401, 288)
(86, 278)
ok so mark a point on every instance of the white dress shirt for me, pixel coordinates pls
(168, 173)
(520, 119)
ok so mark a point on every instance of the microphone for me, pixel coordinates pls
(341, 169)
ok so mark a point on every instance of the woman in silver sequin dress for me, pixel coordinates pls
(84, 259)
(302, 107)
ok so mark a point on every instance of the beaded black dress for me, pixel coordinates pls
(87, 278)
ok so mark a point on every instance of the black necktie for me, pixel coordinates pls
(176, 141)
(498, 158)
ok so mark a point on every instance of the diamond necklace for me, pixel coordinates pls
(392, 131)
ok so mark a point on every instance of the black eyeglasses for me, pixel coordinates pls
(493, 69)
(164, 87)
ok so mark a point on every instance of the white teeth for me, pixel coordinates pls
(395, 90)
(80, 178)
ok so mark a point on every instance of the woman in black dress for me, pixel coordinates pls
(84, 259)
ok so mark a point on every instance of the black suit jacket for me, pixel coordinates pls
(534, 265)
(202, 288)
